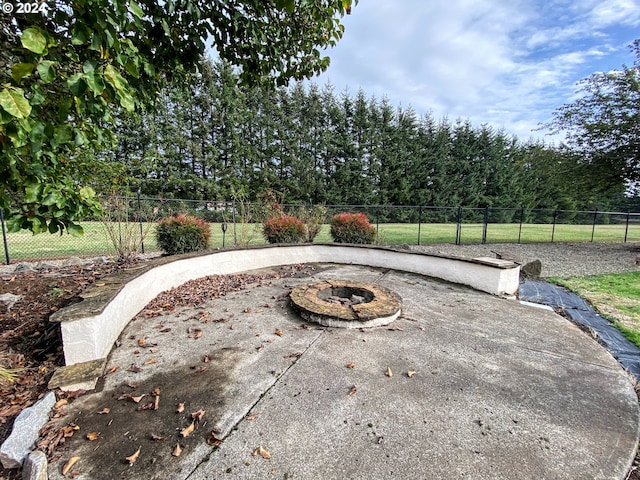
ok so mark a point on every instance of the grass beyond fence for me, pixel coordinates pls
(95, 242)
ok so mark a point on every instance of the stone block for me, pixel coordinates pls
(25, 432)
(35, 466)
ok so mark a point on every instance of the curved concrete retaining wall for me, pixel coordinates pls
(90, 328)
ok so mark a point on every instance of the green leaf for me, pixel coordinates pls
(95, 83)
(38, 96)
(74, 229)
(114, 78)
(32, 192)
(13, 102)
(46, 71)
(21, 70)
(89, 66)
(77, 84)
(14, 223)
(127, 101)
(34, 40)
(50, 199)
(62, 134)
(79, 35)
(135, 8)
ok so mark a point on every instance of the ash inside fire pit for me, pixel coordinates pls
(346, 295)
(347, 304)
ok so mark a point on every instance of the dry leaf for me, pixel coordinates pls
(185, 432)
(353, 390)
(197, 416)
(195, 333)
(112, 370)
(70, 463)
(104, 411)
(144, 344)
(91, 436)
(156, 391)
(213, 440)
(156, 403)
(146, 406)
(177, 451)
(61, 402)
(137, 399)
(411, 373)
(165, 330)
(252, 416)
(351, 365)
(389, 373)
(157, 438)
(206, 359)
(278, 332)
(180, 408)
(150, 361)
(132, 458)
(134, 368)
(262, 452)
(247, 310)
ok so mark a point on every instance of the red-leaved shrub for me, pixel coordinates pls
(352, 228)
(182, 234)
(284, 229)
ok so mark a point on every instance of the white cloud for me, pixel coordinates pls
(509, 64)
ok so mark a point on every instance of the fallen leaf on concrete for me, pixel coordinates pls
(146, 406)
(177, 451)
(91, 436)
(351, 365)
(262, 452)
(138, 398)
(411, 373)
(157, 438)
(293, 355)
(252, 416)
(353, 390)
(134, 457)
(60, 403)
(195, 333)
(156, 403)
(112, 370)
(213, 440)
(165, 330)
(180, 408)
(278, 332)
(156, 391)
(389, 373)
(247, 310)
(185, 432)
(206, 359)
(104, 411)
(197, 416)
(144, 344)
(151, 361)
(70, 463)
(134, 368)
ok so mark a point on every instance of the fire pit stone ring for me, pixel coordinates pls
(346, 304)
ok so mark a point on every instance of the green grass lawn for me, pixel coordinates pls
(614, 296)
(25, 246)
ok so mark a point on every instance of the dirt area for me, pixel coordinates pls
(31, 345)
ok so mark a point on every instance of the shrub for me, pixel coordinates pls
(284, 229)
(182, 234)
(352, 228)
(313, 219)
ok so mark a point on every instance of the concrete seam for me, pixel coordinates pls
(235, 425)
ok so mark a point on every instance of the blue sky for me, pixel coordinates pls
(507, 64)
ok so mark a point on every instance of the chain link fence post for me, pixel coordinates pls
(4, 237)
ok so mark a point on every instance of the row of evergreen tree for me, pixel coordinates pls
(213, 139)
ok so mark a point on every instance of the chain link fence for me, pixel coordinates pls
(129, 222)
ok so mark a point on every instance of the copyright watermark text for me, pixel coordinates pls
(23, 7)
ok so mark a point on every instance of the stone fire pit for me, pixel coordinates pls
(346, 304)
